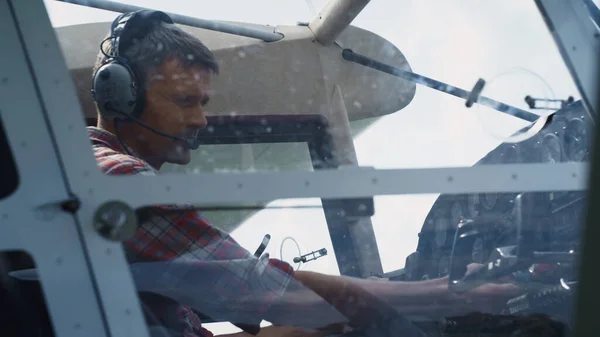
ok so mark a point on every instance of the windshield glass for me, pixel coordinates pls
(408, 85)
(394, 123)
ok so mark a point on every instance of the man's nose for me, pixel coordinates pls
(199, 120)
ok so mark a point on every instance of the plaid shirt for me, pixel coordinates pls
(192, 247)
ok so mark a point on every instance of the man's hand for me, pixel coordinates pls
(435, 297)
(487, 298)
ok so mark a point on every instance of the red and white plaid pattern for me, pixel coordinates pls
(186, 237)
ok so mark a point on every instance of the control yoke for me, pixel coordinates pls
(544, 274)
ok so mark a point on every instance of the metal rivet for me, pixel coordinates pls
(108, 251)
(115, 221)
(86, 173)
(46, 45)
(307, 183)
(127, 311)
(59, 260)
(514, 176)
(70, 127)
(574, 175)
(23, 144)
(4, 216)
(77, 326)
(168, 188)
(91, 191)
(240, 185)
(374, 180)
(450, 179)
(56, 82)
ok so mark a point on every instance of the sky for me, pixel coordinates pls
(454, 41)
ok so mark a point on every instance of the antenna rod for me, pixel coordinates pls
(334, 18)
(266, 36)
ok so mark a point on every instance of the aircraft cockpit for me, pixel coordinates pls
(432, 164)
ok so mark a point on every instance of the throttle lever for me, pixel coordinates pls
(460, 257)
(506, 262)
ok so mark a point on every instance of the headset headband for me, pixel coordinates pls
(134, 25)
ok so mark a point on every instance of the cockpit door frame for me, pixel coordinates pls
(46, 131)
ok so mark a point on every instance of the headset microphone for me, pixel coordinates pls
(191, 143)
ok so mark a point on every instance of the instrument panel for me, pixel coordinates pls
(566, 138)
(548, 222)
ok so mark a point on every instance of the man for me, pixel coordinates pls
(176, 70)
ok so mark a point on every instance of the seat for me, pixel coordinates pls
(23, 310)
(10, 178)
(150, 303)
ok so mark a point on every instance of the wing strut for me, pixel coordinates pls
(469, 96)
(264, 35)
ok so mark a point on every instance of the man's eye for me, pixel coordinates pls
(186, 102)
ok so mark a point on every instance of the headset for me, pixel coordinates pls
(116, 88)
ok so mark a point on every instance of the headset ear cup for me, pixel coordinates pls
(115, 90)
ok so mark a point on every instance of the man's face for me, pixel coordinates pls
(175, 100)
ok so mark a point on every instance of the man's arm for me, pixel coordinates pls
(362, 301)
(312, 298)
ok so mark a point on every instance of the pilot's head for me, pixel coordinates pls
(174, 71)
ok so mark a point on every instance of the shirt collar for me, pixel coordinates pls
(102, 137)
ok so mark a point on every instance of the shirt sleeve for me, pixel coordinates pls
(178, 253)
(239, 291)
(207, 270)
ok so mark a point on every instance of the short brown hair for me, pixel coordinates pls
(164, 41)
